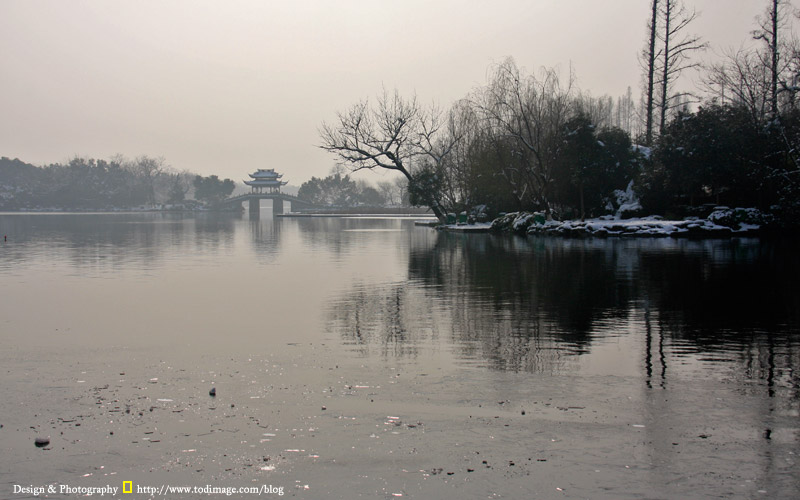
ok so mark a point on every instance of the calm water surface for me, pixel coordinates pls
(545, 367)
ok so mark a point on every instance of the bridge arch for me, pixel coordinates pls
(254, 200)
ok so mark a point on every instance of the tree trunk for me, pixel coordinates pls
(774, 54)
(666, 69)
(651, 69)
(435, 207)
(439, 213)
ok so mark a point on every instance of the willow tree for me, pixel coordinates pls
(528, 112)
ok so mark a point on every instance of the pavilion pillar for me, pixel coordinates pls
(255, 208)
(277, 206)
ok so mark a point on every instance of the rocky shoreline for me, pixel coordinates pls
(722, 222)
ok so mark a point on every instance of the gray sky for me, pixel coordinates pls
(229, 86)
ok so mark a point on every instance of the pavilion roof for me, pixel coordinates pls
(264, 173)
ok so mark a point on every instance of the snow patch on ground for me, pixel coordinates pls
(478, 227)
(722, 222)
(648, 226)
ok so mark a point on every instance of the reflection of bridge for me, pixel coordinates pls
(277, 202)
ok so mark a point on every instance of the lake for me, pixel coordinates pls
(368, 357)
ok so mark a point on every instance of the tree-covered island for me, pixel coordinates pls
(534, 143)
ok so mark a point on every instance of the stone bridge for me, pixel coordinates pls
(277, 202)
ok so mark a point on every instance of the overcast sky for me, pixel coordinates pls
(230, 86)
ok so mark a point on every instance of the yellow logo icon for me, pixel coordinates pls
(127, 486)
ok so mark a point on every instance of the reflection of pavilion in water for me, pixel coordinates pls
(265, 236)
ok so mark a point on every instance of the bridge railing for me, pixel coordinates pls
(283, 196)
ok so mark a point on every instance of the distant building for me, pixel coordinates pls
(266, 180)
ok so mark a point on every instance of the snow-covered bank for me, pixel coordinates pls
(722, 222)
(477, 227)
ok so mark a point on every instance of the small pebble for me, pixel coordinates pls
(212, 392)
(41, 441)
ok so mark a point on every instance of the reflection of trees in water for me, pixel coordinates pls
(713, 298)
(338, 235)
(396, 319)
(503, 302)
(563, 289)
(214, 231)
(729, 300)
(321, 232)
(529, 303)
(110, 241)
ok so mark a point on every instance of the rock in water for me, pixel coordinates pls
(41, 441)
(212, 392)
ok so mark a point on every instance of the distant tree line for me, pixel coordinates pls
(340, 190)
(530, 141)
(212, 189)
(86, 183)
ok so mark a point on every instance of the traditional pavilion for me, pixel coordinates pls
(266, 180)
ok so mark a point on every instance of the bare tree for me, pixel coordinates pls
(764, 79)
(388, 191)
(770, 27)
(677, 48)
(401, 185)
(461, 178)
(600, 110)
(443, 140)
(390, 135)
(529, 113)
(145, 171)
(740, 79)
(625, 112)
(178, 185)
(650, 56)
(148, 169)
